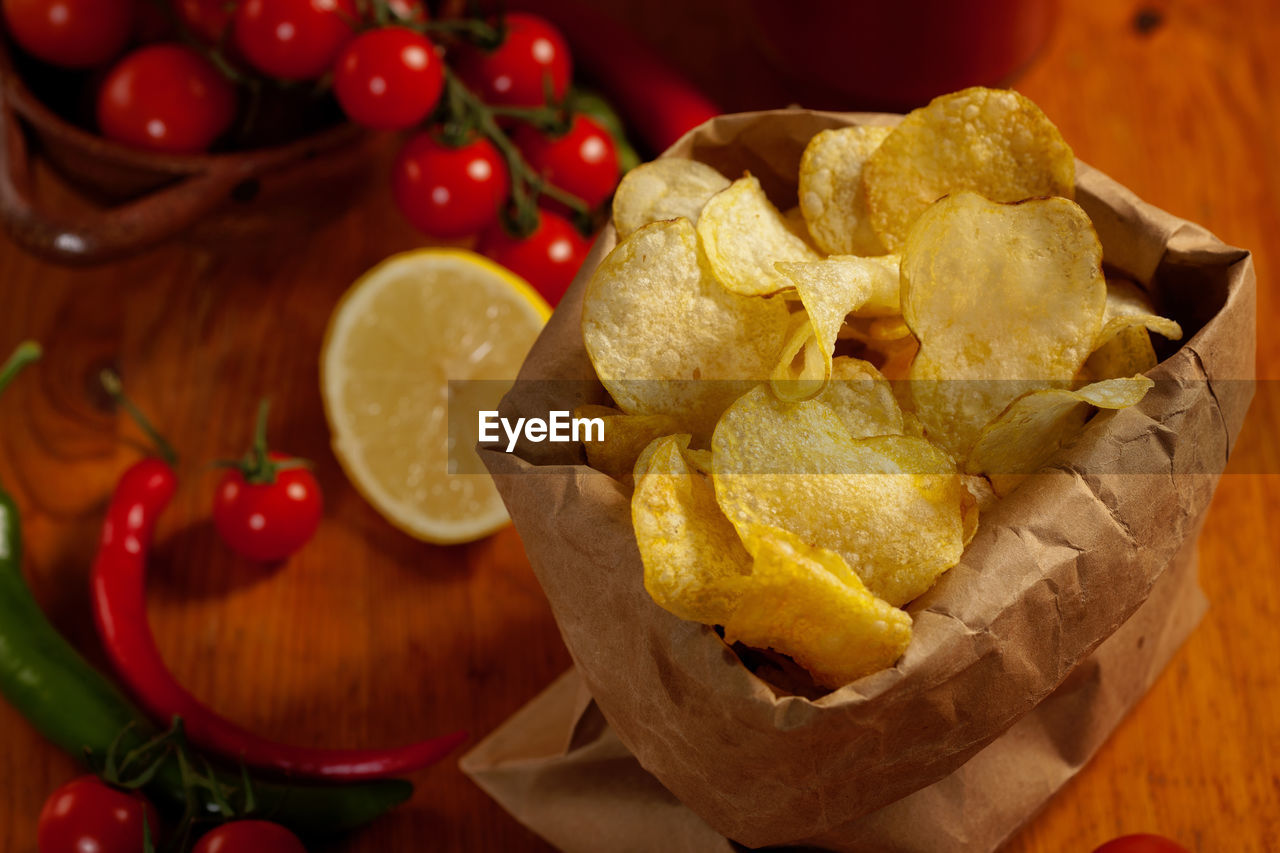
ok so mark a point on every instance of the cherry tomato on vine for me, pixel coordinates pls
(548, 258)
(250, 836)
(293, 39)
(1141, 843)
(515, 72)
(70, 33)
(267, 518)
(449, 192)
(166, 97)
(582, 161)
(208, 20)
(389, 78)
(87, 814)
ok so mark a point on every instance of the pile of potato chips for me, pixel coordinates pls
(784, 487)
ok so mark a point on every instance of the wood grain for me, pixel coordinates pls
(371, 638)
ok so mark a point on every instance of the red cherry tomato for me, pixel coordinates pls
(583, 161)
(388, 79)
(70, 33)
(166, 97)
(514, 73)
(250, 836)
(208, 20)
(267, 522)
(293, 39)
(86, 814)
(1141, 843)
(449, 192)
(548, 258)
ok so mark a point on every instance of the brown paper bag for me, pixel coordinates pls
(559, 769)
(1052, 573)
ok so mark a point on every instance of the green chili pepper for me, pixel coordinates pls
(75, 707)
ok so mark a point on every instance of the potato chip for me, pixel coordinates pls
(625, 437)
(666, 338)
(802, 370)
(1008, 294)
(743, 235)
(694, 562)
(832, 197)
(1124, 345)
(977, 498)
(1036, 425)
(868, 285)
(798, 602)
(889, 505)
(794, 218)
(829, 290)
(874, 330)
(886, 342)
(995, 142)
(862, 399)
(663, 189)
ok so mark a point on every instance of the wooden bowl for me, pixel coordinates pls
(136, 198)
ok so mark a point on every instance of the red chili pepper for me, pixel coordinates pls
(119, 584)
(655, 99)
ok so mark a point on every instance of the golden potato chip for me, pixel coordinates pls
(832, 197)
(795, 221)
(663, 189)
(885, 329)
(995, 142)
(743, 235)
(1124, 345)
(886, 342)
(625, 436)
(1004, 299)
(666, 338)
(829, 290)
(1036, 425)
(694, 562)
(977, 498)
(862, 399)
(802, 369)
(803, 601)
(889, 505)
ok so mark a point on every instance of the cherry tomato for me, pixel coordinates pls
(514, 73)
(166, 97)
(548, 258)
(388, 79)
(583, 161)
(1141, 843)
(86, 814)
(293, 39)
(208, 20)
(449, 192)
(70, 33)
(267, 522)
(249, 836)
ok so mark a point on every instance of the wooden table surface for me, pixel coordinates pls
(371, 638)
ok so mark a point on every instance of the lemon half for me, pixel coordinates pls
(400, 335)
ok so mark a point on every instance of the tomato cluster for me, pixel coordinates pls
(88, 814)
(498, 153)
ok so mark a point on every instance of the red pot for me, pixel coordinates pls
(843, 54)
